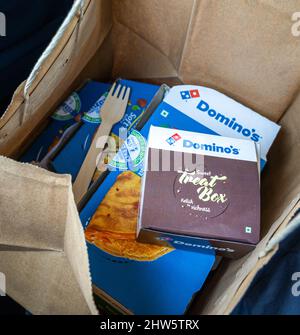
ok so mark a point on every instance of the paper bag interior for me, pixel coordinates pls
(244, 49)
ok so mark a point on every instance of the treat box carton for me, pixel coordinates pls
(200, 192)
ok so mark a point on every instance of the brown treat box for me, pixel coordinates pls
(201, 192)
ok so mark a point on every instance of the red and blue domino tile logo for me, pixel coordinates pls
(192, 94)
(175, 138)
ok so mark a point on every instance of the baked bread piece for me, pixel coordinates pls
(113, 226)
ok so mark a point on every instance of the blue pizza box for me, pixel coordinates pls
(65, 116)
(71, 158)
(204, 110)
(165, 286)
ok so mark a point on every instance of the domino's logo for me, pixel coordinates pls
(175, 138)
(199, 245)
(230, 122)
(192, 94)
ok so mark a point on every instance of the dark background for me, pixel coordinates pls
(30, 25)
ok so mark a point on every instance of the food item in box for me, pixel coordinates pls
(113, 226)
(161, 283)
(165, 283)
(142, 279)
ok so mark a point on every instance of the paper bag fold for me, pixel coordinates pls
(43, 254)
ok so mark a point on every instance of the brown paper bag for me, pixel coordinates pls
(42, 248)
(244, 49)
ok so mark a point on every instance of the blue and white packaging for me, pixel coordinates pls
(71, 158)
(64, 117)
(164, 286)
(216, 114)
